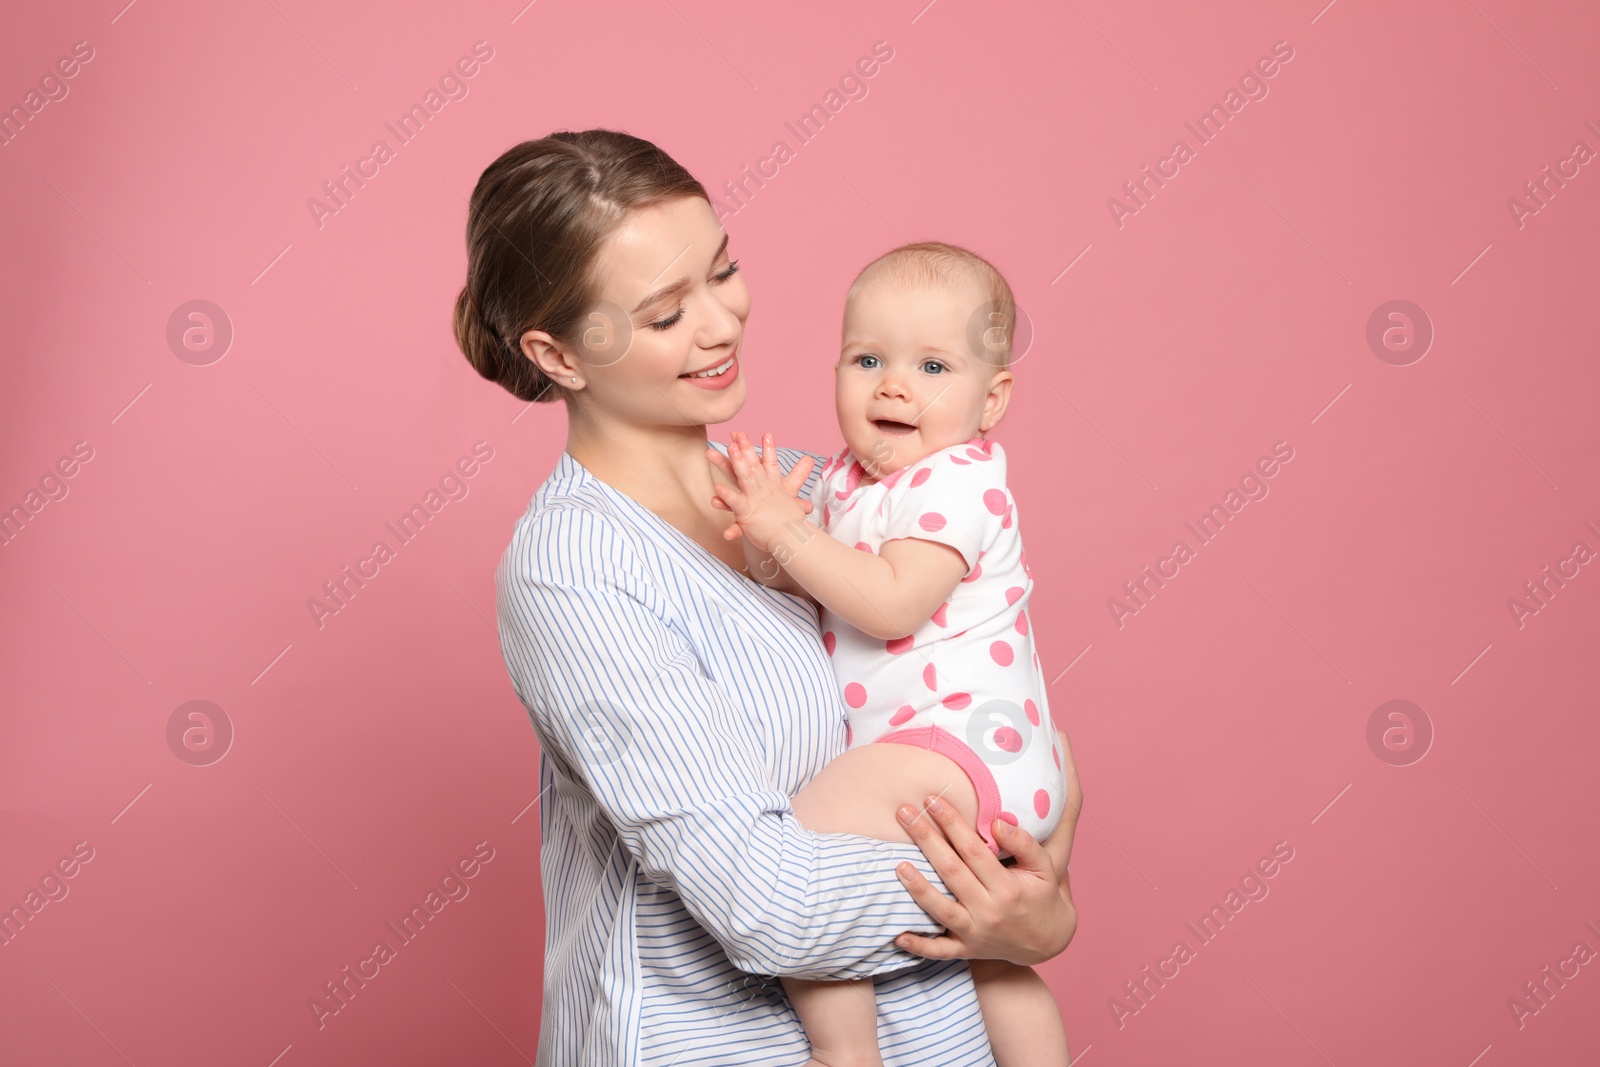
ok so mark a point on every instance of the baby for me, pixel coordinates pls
(923, 589)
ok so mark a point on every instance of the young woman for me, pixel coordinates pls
(679, 703)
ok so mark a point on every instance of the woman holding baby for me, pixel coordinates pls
(683, 699)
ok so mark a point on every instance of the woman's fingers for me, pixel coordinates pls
(1074, 805)
(940, 908)
(927, 834)
(1030, 854)
(934, 948)
(974, 852)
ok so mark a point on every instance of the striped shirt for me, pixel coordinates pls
(678, 706)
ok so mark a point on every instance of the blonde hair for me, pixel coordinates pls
(937, 263)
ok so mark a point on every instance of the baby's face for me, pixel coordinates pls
(908, 381)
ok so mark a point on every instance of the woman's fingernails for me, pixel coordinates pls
(935, 804)
(905, 814)
(903, 872)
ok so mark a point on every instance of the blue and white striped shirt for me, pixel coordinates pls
(679, 705)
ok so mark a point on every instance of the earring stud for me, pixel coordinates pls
(574, 381)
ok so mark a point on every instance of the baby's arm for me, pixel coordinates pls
(887, 594)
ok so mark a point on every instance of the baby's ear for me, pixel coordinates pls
(994, 405)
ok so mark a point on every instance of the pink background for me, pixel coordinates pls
(1228, 313)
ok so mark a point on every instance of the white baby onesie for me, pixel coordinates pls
(967, 682)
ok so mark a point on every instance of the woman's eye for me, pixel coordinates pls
(671, 321)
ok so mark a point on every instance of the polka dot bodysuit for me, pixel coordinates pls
(967, 683)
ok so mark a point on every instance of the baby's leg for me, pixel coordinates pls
(840, 1020)
(1021, 1016)
(858, 794)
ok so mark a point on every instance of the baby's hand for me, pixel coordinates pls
(765, 502)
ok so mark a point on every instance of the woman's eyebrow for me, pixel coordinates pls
(677, 286)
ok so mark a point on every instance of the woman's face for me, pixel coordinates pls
(672, 307)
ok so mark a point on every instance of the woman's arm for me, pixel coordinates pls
(624, 708)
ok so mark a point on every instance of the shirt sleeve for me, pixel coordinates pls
(951, 499)
(623, 708)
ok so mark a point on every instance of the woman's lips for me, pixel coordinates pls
(718, 381)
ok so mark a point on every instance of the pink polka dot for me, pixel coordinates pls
(1025, 568)
(1057, 757)
(977, 569)
(1001, 653)
(931, 521)
(1022, 623)
(1033, 711)
(995, 501)
(829, 642)
(827, 513)
(978, 454)
(1013, 594)
(959, 461)
(928, 677)
(863, 546)
(938, 616)
(898, 645)
(1008, 817)
(921, 476)
(855, 694)
(1041, 803)
(957, 701)
(905, 712)
(1008, 739)
(1005, 523)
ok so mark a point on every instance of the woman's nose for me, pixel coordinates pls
(721, 326)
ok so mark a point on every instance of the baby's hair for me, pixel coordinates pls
(936, 263)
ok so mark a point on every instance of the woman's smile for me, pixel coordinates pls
(717, 376)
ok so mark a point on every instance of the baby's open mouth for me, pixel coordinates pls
(899, 429)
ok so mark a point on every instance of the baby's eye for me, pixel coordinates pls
(938, 368)
(867, 361)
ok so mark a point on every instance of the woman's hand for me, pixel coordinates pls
(1022, 913)
(1059, 843)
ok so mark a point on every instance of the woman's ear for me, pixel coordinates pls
(550, 356)
(994, 405)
